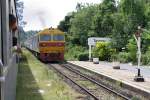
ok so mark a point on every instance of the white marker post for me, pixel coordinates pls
(90, 52)
(137, 37)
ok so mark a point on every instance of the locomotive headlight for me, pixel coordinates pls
(59, 44)
(42, 44)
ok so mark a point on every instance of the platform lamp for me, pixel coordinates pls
(137, 36)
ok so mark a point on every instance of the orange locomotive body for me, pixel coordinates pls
(48, 45)
(51, 45)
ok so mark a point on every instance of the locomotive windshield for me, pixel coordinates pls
(58, 37)
(45, 37)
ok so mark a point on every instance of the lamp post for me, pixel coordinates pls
(137, 36)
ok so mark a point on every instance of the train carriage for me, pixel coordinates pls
(48, 44)
(9, 38)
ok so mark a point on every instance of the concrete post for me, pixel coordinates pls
(90, 53)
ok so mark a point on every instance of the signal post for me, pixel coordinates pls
(137, 36)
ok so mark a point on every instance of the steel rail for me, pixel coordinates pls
(84, 89)
(94, 81)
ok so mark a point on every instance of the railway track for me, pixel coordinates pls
(94, 89)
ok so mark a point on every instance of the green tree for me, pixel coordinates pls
(21, 22)
(19, 8)
(121, 31)
(133, 11)
(132, 49)
(103, 20)
(130, 15)
(64, 25)
(81, 25)
(147, 13)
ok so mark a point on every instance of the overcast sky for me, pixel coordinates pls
(46, 13)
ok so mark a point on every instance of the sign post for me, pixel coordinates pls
(137, 36)
(92, 42)
(90, 52)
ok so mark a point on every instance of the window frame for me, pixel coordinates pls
(57, 35)
(5, 29)
(47, 35)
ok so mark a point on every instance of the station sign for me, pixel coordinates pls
(93, 40)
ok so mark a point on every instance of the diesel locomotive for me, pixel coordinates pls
(48, 44)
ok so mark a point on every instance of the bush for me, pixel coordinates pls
(72, 51)
(103, 50)
(83, 56)
(146, 57)
(132, 49)
(114, 57)
(123, 57)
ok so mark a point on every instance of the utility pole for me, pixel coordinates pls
(137, 36)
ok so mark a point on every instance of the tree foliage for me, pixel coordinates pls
(81, 25)
(118, 20)
(21, 22)
(20, 8)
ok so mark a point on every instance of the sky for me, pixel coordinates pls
(41, 14)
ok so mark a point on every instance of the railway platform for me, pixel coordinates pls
(125, 74)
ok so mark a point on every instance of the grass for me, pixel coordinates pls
(72, 52)
(36, 82)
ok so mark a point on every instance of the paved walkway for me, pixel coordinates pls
(145, 70)
(125, 74)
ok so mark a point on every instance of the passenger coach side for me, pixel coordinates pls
(8, 66)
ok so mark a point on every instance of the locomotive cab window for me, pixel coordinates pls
(45, 37)
(58, 37)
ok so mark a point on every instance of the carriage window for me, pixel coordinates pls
(45, 37)
(58, 37)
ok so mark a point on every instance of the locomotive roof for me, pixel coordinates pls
(51, 31)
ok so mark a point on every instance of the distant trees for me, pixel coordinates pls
(107, 19)
(117, 20)
(21, 22)
(19, 8)
(30, 33)
(65, 24)
(89, 20)
(130, 15)
(81, 25)
(103, 19)
(78, 25)
(134, 11)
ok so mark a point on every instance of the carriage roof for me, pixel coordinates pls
(51, 31)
